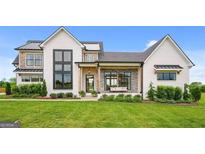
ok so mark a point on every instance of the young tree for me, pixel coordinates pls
(44, 89)
(186, 94)
(151, 92)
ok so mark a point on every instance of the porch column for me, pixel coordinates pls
(80, 78)
(98, 80)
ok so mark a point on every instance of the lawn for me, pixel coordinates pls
(101, 114)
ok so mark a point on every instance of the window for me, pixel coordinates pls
(90, 57)
(63, 69)
(34, 59)
(30, 60)
(25, 78)
(114, 79)
(39, 60)
(166, 76)
(32, 78)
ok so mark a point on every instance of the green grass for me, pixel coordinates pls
(101, 114)
(202, 100)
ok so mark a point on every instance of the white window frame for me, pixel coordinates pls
(34, 59)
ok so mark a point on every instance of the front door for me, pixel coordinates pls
(89, 83)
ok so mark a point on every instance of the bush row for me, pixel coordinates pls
(30, 89)
(61, 95)
(174, 94)
(83, 94)
(121, 98)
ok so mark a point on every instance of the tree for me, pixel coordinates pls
(151, 92)
(195, 92)
(44, 89)
(13, 80)
(8, 88)
(186, 94)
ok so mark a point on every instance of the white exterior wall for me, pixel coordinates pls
(166, 54)
(61, 41)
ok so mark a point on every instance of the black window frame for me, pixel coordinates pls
(110, 77)
(169, 76)
(62, 72)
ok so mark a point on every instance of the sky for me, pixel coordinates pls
(134, 39)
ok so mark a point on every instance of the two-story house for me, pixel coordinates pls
(70, 65)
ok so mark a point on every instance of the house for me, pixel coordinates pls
(70, 65)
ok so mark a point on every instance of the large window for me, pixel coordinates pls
(62, 69)
(90, 57)
(120, 79)
(34, 59)
(166, 76)
(32, 78)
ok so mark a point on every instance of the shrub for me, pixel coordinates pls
(69, 95)
(151, 92)
(186, 94)
(30, 89)
(8, 88)
(104, 96)
(82, 93)
(14, 90)
(17, 95)
(128, 98)
(137, 99)
(119, 98)
(202, 88)
(94, 94)
(44, 89)
(53, 95)
(161, 92)
(109, 98)
(178, 93)
(60, 95)
(195, 93)
(170, 92)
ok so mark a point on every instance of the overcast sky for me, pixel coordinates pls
(190, 39)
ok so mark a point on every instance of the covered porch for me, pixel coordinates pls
(110, 78)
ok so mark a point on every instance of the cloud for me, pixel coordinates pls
(150, 43)
(6, 68)
(197, 73)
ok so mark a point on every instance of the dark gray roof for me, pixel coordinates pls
(122, 57)
(16, 60)
(28, 70)
(168, 67)
(31, 45)
(35, 45)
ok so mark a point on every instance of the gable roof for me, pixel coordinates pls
(56, 32)
(153, 48)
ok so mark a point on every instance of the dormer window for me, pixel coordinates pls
(90, 57)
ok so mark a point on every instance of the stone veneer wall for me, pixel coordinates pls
(134, 80)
